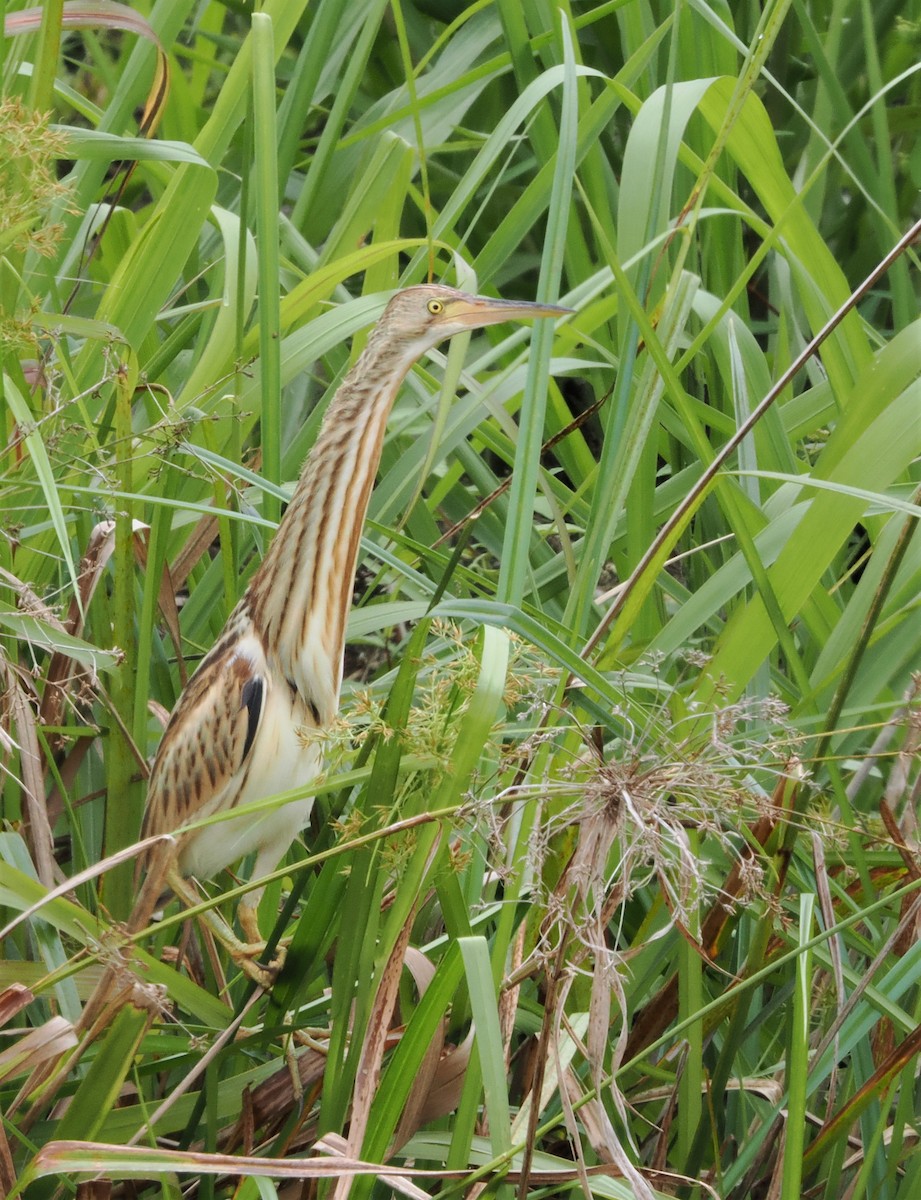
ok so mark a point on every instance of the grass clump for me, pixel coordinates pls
(611, 886)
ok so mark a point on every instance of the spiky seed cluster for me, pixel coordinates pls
(444, 687)
(620, 817)
(28, 186)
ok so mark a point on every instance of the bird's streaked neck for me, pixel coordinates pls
(300, 597)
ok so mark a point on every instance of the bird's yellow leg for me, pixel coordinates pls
(249, 922)
(244, 954)
(248, 917)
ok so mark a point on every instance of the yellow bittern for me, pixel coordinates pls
(237, 732)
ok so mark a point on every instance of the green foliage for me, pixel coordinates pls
(612, 881)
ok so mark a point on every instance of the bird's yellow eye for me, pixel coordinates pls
(436, 307)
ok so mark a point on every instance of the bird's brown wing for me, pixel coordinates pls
(202, 761)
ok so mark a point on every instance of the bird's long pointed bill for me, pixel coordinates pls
(482, 310)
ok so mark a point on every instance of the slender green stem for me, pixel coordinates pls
(266, 198)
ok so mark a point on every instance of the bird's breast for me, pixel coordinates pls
(282, 757)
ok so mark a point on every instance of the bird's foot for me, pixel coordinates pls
(315, 1039)
(245, 954)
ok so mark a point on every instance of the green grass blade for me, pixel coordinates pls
(266, 193)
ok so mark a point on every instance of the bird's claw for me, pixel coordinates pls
(246, 953)
(305, 1038)
(263, 974)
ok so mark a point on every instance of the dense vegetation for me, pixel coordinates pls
(626, 775)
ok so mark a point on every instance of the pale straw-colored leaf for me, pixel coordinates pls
(47, 1041)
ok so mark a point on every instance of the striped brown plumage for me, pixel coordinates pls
(237, 733)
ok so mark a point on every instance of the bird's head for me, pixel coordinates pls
(421, 317)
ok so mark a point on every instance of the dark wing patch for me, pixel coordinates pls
(252, 697)
(314, 711)
(201, 763)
